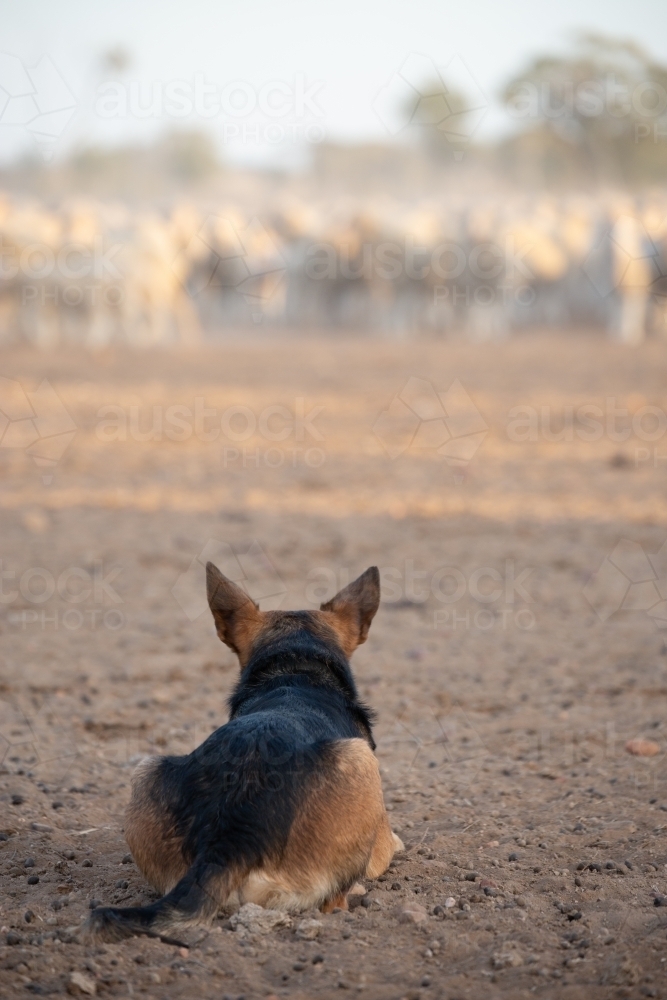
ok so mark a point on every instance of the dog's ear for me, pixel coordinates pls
(238, 620)
(353, 608)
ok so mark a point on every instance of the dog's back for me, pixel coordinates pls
(283, 805)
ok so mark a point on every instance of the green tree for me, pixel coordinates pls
(599, 113)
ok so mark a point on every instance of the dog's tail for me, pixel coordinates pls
(194, 900)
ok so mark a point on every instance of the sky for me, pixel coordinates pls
(269, 77)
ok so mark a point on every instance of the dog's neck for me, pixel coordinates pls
(300, 657)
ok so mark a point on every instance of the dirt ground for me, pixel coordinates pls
(507, 678)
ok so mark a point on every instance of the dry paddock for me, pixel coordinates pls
(535, 842)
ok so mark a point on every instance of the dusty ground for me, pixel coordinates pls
(505, 702)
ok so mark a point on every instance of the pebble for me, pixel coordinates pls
(413, 914)
(642, 748)
(13, 938)
(33, 880)
(17, 800)
(450, 902)
(308, 929)
(257, 920)
(29, 863)
(513, 856)
(87, 863)
(127, 859)
(80, 985)
(122, 884)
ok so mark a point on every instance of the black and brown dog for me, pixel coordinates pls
(283, 805)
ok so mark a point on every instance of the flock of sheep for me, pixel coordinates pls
(98, 273)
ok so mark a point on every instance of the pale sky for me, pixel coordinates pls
(313, 68)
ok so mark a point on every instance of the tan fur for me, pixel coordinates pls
(342, 830)
(155, 847)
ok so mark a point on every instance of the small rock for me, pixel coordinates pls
(127, 859)
(660, 901)
(450, 902)
(13, 938)
(506, 959)
(308, 930)
(80, 985)
(642, 748)
(29, 863)
(87, 863)
(413, 914)
(28, 916)
(513, 856)
(41, 828)
(33, 880)
(257, 920)
(17, 799)
(122, 884)
(471, 876)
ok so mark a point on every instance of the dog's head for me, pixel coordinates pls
(343, 621)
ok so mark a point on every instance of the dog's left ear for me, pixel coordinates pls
(353, 609)
(238, 620)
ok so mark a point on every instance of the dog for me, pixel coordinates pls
(283, 805)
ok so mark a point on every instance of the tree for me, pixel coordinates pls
(603, 108)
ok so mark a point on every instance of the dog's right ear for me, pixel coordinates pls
(238, 620)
